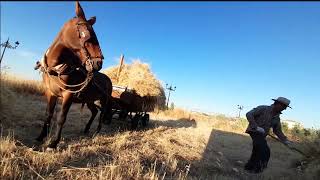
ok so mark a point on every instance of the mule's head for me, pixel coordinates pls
(78, 34)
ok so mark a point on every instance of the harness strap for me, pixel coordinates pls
(59, 69)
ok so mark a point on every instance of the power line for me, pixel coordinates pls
(240, 107)
(170, 88)
(8, 45)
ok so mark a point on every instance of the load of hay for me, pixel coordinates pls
(138, 77)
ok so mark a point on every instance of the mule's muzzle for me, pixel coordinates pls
(97, 64)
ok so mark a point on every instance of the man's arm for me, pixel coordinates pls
(251, 116)
(278, 131)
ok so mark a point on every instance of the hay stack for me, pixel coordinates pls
(137, 76)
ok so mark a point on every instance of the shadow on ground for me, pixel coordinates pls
(26, 130)
(226, 154)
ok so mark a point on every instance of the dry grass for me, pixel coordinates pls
(17, 96)
(177, 144)
(22, 85)
(99, 158)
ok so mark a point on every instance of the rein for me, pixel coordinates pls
(81, 85)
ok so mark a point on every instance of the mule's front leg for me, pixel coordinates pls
(66, 103)
(52, 100)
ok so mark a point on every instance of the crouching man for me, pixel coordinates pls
(261, 119)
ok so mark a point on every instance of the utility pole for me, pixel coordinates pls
(120, 67)
(170, 89)
(240, 107)
(8, 45)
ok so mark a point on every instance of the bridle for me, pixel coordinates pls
(84, 36)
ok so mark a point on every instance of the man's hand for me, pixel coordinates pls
(260, 130)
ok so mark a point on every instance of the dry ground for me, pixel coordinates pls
(175, 145)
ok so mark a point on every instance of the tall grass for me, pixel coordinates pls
(16, 96)
(21, 85)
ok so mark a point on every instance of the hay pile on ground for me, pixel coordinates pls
(138, 76)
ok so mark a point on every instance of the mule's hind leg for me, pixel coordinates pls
(92, 107)
(51, 103)
(102, 115)
(108, 113)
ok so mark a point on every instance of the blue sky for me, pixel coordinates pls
(218, 54)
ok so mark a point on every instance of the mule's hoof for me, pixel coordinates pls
(48, 149)
(107, 123)
(37, 148)
(52, 145)
(95, 134)
(36, 142)
(39, 139)
(85, 132)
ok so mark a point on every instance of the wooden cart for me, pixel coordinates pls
(128, 104)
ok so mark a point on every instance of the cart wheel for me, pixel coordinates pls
(123, 115)
(135, 121)
(145, 120)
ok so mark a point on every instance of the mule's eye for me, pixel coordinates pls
(83, 34)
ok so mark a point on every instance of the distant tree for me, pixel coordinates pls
(317, 132)
(306, 132)
(285, 127)
(172, 106)
(297, 129)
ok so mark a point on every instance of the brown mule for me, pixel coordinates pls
(70, 67)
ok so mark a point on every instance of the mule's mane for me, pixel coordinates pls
(58, 36)
(57, 40)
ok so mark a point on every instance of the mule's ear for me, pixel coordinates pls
(92, 20)
(79, 11)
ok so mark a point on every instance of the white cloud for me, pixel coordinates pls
(115, 59)
(27, 54)
(21, 62)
